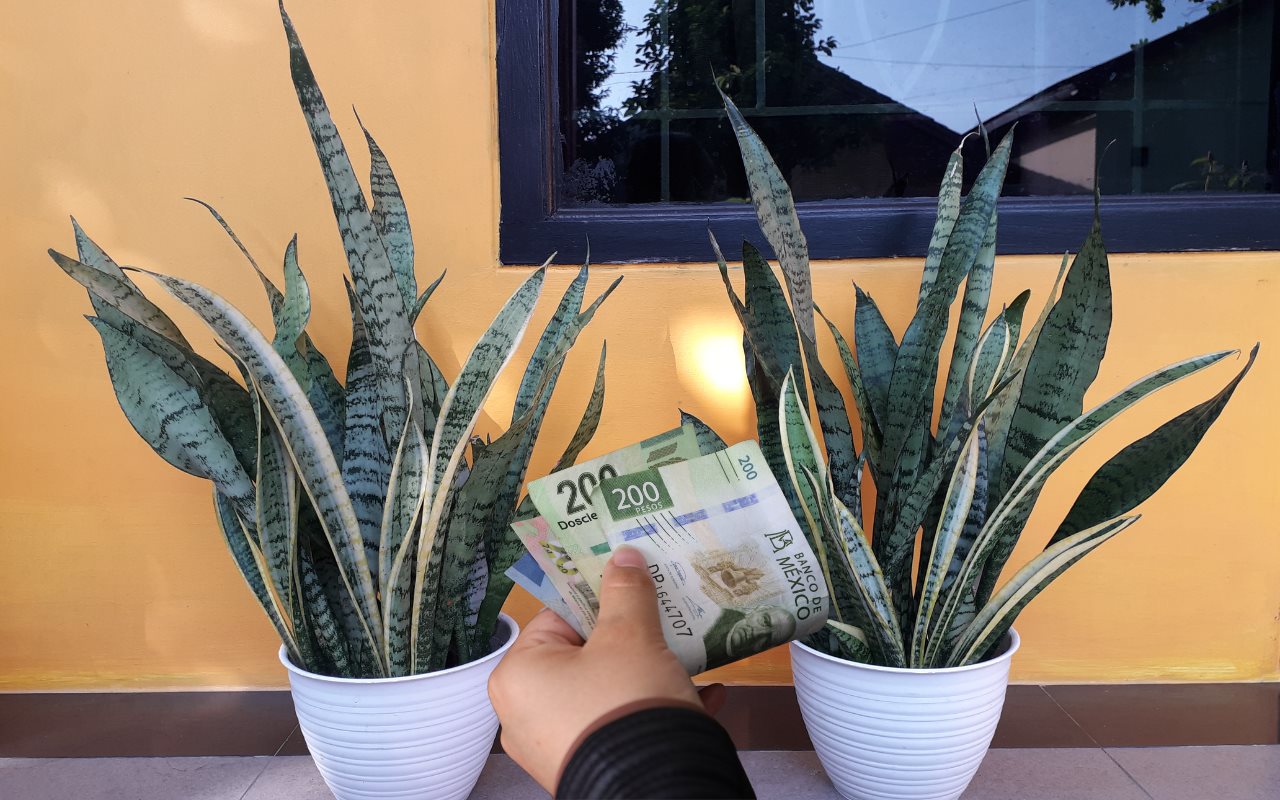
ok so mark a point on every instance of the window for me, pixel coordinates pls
(610, 129)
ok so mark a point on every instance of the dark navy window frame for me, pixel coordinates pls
(532, 226)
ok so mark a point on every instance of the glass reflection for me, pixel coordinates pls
(866, 99)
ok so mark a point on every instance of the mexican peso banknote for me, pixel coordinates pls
(566, 498)
(558, 568)
(528, 574)
(734, 572)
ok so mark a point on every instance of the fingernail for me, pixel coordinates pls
(628, 557)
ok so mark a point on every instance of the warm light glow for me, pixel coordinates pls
(708, 351)
(719, 363)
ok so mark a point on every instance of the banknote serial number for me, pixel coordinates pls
(666, 605)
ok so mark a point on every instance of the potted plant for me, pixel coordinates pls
(901, 692)
(371, 526)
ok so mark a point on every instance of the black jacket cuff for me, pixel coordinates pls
(659, 753)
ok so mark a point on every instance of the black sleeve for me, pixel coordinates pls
(660, 753)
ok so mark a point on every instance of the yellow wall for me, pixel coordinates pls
(112, 574)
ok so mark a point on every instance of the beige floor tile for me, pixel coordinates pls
(296, 778)
(1196, 773)
(128, 778)
(1068, 774)
(794, 775)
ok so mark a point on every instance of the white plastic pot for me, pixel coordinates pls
(883, 733)
(424, 737)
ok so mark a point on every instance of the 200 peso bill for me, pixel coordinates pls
(734, 572)
(566, 498)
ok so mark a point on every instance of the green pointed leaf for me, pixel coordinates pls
(274, 296)
(421, 302)
(866, 417)
(1006, 520)
(120, 293)
(326, 395)
(945, 219)
(458, 415)
(997, 616)
(304, 439)
(943, 640)
(765, 318)
(1003, 409)
(776, 212)
(911, 506)
(249, 562)
(1137, 471)
(434, 389)
(483, 509)
(1066, 358)
(391, 219)
(914, 371)
(466, 396)
(590, 420)
(871, 585)
(877, 352)
(295, 312)
(322, 623)
(309, 365)
(406, 494)
(867, 606)
(277, 518)
(766, 402)
(955, 511)
(123, 307)
(708, 440)
(366, 461)
(549, 342)
(486, 504)
(386, 313)
(802, 452)
(851, 641)
(973, 311)
(995, 350)
(833, 418)
(94, 256)
(169, 415)
(1013, 314)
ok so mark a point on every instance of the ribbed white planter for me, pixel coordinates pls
(424, 737)
(900, 734)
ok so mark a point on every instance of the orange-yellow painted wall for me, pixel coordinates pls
(112, 574)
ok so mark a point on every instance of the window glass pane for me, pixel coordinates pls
(860, 99)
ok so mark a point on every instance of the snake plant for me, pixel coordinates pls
(370, 524)
(959, 492)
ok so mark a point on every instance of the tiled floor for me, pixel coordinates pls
(1181, 773)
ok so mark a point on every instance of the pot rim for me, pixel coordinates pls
(1012, 637)
(502, 617)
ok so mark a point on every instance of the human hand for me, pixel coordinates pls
(551, 689)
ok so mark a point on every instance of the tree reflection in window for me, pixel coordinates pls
(1188, 97)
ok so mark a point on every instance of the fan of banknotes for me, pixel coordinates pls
(734, 572)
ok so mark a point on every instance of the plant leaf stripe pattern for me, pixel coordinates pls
(384, 307)
(349, 507)
(960, 494)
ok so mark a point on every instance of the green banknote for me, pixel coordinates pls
(560, 570)
(565, 498)
(734, 571)
(528, 574)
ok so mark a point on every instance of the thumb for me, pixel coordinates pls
(628, 599)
